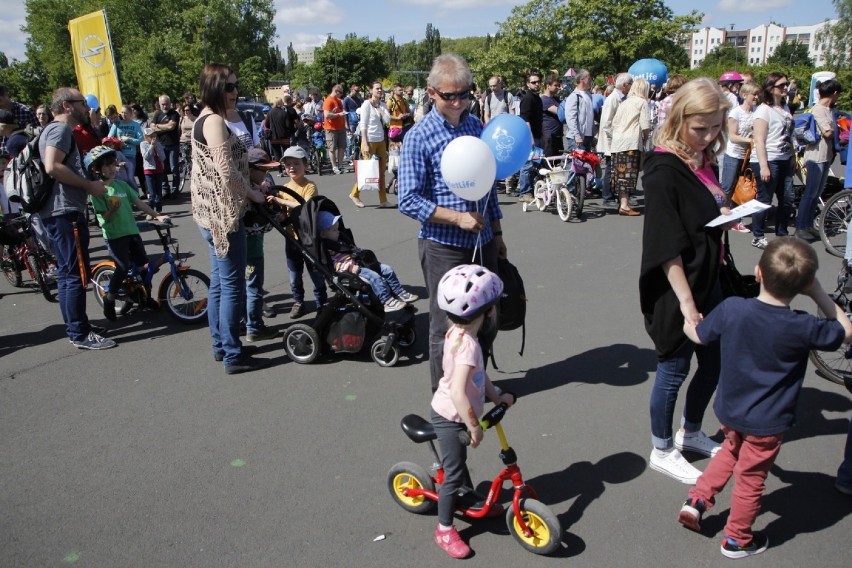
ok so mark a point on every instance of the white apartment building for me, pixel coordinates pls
(756, 44)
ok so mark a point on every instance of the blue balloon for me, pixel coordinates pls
(509, 139)
(92, 101)
(652, 70)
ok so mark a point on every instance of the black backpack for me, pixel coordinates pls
(30, 185)
(511, 309)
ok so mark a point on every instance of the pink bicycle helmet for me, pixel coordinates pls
(467, 291)
(730, 77)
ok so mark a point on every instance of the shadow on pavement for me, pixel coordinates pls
(617, 365)
(16, 341)
(811, 420)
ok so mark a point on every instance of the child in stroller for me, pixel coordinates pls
(353, 315)
(349, 258)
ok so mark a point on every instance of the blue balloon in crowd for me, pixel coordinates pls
(509, 139)
(652, 70)
(92, 101)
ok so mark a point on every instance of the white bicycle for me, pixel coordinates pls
(564, 181)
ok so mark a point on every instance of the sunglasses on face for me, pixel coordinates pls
(231, 87)
(453, 96)
(782, 86)
(535, 82)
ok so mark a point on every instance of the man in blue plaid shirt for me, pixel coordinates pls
(453, 231)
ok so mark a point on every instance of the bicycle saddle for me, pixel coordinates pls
(418, 429)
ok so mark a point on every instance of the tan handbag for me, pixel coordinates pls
(746, 188)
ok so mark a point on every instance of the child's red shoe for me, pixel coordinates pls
(452, 543)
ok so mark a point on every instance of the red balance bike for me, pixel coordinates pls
(533, 525)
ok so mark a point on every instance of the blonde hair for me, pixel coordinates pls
(639, 88)
(750, 88)
(697, 97)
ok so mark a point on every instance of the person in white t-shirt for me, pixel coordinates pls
(773, 144)
(740, 124)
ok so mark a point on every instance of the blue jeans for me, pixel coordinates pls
(730, 173)
(153, 185)
(296, 266)
(817, 176)
(254, 294)
(70, 291)
(671, 374)
(780, 186)
(528, 172)
(227, 296)
(383, 285)
(844, 474)
(172, 164)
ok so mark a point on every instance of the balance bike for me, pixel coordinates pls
(533, 525)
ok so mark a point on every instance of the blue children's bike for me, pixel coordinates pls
(183, 290)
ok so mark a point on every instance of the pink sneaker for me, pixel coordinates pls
(452, 543)
(740, 228)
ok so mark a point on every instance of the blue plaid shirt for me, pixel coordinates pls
(422, 188)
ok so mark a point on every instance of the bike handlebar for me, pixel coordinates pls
(489, 419)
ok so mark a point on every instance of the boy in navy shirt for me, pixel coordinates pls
(765, 348)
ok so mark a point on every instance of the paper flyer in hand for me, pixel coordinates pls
(744, 210)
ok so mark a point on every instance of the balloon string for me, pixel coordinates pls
(478, 245)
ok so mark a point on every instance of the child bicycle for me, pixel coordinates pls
(183, 290)
(567, 184)
(532, 523)
(23, 253)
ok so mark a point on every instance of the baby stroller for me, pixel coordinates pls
(353, 316)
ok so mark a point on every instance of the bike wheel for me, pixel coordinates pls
(404, 476)
(302, 343)
(540, 194)
(834, 222)
(185, 174)
(39, 270)
(836, 366)
(11, 269)
(580, 190)
(100, 283)
(186, 298)
(546, 530)
(564, 203)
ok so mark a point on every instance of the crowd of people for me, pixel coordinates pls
(677, 139)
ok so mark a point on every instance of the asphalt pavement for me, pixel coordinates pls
(150, 455)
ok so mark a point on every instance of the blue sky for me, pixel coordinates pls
(307, 23)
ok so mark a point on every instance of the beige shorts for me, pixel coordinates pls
(335, 139)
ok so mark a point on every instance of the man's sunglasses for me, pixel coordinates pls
(231, 87)
(453, 96)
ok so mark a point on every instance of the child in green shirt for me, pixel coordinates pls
(115, 216)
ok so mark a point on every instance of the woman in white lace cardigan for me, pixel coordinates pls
(221, 192)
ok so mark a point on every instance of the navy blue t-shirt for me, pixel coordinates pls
(764, 356)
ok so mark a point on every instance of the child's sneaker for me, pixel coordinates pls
(262, 334)
(408, 297)
(452, 543)
(394, 305)
(109, 309)
(690, 514)
(740, 228)
(759, 242)
(297, 311)
(673, 464)
(758, 544)
(697, 442)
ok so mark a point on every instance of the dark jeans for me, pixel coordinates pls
(70, 291)
(296, 267)
(780, 186)
(817, 173)
(153, 185)
(126, 251)
(436, 259)
(171, 164)
(552, 145)
(528, 172)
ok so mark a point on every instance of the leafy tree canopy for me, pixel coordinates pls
(794, 53)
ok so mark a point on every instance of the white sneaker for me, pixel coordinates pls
(675, 466)
(697, 442)
(394, 305)
(336, 171)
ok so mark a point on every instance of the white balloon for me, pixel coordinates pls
(468, 167)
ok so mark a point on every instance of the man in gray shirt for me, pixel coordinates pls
(64, 214)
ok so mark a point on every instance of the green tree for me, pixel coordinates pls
(724, 54)
(837, 37)
(353, 60)
(4, 61)
(429, 48)
(253, 77)
(794, 53)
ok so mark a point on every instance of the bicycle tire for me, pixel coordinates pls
(39, 270)
(580, 189)
(185, 175)
(834, 222)
(564, 203)
(192, 310)
(835, 366)
(11, 268)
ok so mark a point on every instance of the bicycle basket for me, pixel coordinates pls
(559, 176)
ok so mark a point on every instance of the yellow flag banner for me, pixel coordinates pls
(93, 58)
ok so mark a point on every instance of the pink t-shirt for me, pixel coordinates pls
(468, 353)
(707, 176)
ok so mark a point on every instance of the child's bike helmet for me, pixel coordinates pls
(730, 78)
(95, 155)
(467, 291)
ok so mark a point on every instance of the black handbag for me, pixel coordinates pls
(733, 283)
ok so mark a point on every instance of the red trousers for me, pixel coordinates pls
(748, 459)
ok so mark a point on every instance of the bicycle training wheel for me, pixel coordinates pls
(404, 476)
(564, 203)
(834, 222)
(546, 530)
(580, 195)
(100, 283)
(186, 298)
(11, 269)
(540, 195)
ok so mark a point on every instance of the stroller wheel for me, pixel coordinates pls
(301, 342)
(388, 360)
(407, 337)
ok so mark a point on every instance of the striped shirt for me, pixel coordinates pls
(422, 188)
